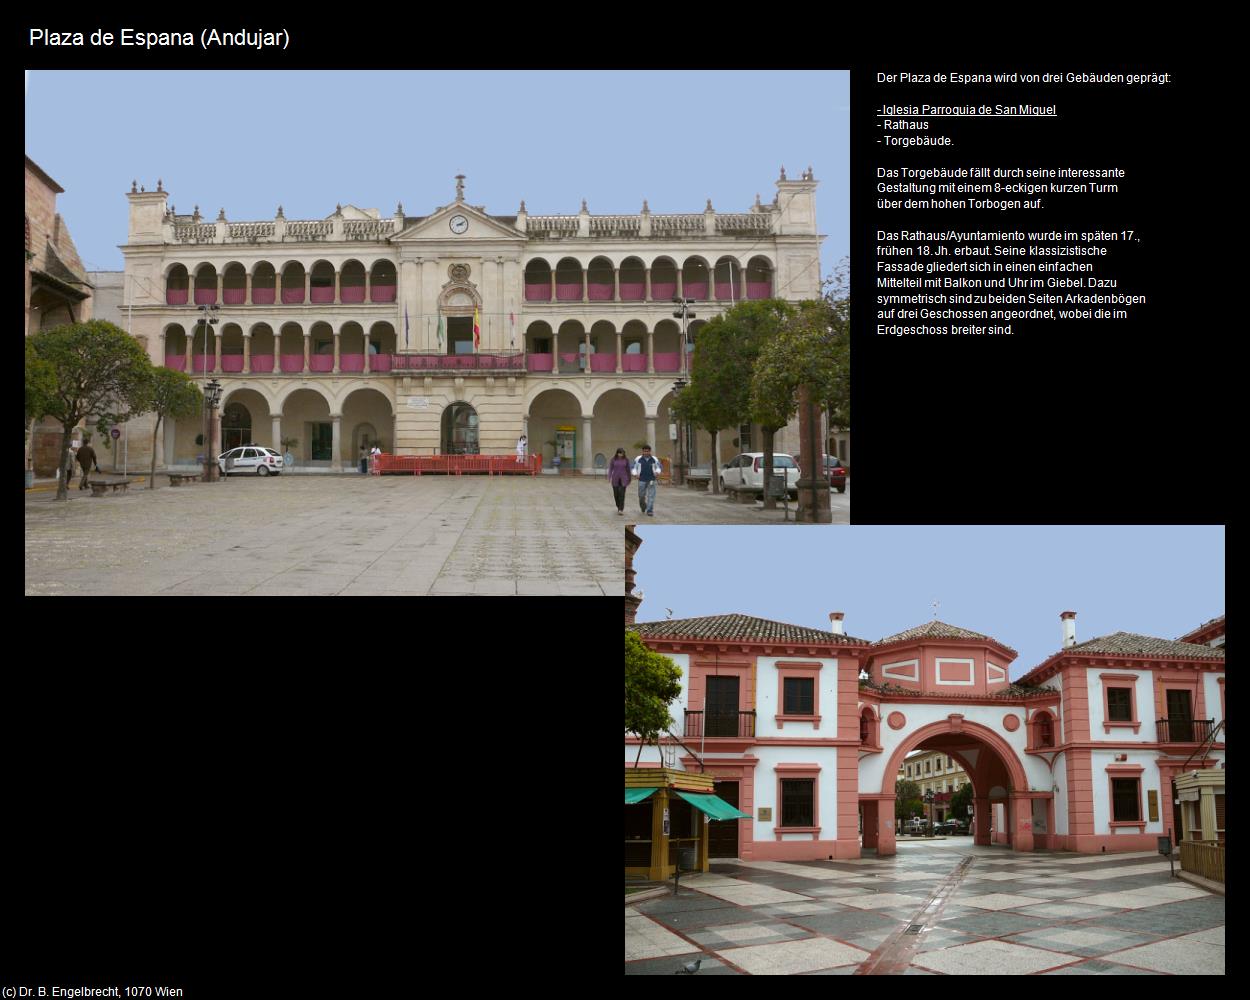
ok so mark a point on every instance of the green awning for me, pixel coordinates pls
(715, 807)
(633, 795)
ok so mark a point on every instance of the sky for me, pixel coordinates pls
(249, 141)
(1008, 582)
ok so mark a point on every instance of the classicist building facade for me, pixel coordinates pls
(1078, 755)
(454, 331)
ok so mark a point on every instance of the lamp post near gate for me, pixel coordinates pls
(212, 395)
(679, 466)
(208, 319)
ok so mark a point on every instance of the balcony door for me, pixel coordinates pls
(1180, 717)
(722, 706)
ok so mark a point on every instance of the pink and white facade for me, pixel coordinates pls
(1077, 755)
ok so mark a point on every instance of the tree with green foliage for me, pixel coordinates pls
(169, 393)
(961, 802)
(40, 386)
(99, 371)
(907, 799)
(652, 681)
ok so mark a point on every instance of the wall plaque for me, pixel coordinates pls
(766, 815)
(1153, 800)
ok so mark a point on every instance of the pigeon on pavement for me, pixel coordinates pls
(690, 968)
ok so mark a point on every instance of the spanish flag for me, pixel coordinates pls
(477, 331)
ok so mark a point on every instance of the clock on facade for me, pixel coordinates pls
(459, 224)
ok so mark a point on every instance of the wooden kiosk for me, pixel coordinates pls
(665, 812)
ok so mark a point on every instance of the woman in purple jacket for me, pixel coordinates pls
(619, 477)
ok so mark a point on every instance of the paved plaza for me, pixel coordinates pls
(309, 535)
(944, 908)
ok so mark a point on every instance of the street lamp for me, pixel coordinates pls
(678, 466)
(684, 313)
(208, 319)
(212, 396)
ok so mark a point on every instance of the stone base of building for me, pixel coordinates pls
(803, 850)
(1110, 843)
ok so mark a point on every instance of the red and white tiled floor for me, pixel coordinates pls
(934, 909)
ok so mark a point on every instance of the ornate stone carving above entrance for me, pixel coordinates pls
(459, 273)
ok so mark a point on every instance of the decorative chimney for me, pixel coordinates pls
(1068, 618)
(835, 623)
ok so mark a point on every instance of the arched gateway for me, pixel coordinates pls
(809, 730)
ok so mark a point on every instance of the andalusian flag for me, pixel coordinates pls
(477, 331)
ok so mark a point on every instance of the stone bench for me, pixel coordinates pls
(178, 478)
(98, 486)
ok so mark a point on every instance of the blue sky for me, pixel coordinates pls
(249, 141)
(1008, 582)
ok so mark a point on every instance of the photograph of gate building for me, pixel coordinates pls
(455, 331)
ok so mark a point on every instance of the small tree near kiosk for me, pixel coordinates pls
(652, 681)
(961, 802)
(169, 393)
(98, 369)
(907, 799)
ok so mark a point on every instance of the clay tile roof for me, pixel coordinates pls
(1145, 645)
(933, 630)
(740, 628)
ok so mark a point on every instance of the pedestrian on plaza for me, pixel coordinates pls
(618, 478)
(86, 460)
(521, 445)
(647, 469)
(375, 455)
(73, 457)
(364, 458)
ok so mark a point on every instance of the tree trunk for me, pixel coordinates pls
(66, 470)
(152, 475)
(770, 503)
(639, 757)
(714, 462)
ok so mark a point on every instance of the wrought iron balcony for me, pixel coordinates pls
(1184, 730)
(737, 724)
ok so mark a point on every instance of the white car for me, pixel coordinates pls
(251, 458)
(746, 472)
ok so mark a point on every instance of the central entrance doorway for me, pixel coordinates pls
(722, 834)
(460, 430)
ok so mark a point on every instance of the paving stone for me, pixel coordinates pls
(790, 957)
(988, 958)
(1188, 955)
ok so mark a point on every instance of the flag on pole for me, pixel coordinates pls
(405, 326)
(477, 331)
(440, 332)
(512, 323)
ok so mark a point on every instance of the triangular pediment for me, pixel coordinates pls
(437, 226)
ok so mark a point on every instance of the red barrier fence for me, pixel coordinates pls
(448, 465)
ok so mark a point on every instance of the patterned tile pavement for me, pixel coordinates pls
(1011, 914)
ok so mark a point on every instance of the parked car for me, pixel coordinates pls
(917, 824)
(746, 473)
(251, 458)
(951, 827)
(836, 472)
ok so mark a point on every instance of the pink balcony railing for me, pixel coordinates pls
(668, 362)
(176, 362)
(759, 289)
(695, 289)
(569, 293)
(201, 364)
(206, 296)
(456, 465)
(538, 362)
(321, 363)
(292, 363)
(263, 362)
(322, 294)
(632, 291)
(723, 291)
(498, 361)
(538, 293)
(603, 362)
(262, 296)
(232, 363)
(175, 296)
(292, 296)
(352, 293)
(383, 293)
(663, 290)
(599, 293)
(351, 362)
(380, 362)
(634, 363)
(234, 296)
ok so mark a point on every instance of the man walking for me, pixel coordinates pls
(647, 469)
(86, 459)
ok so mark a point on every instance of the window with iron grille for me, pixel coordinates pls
(1119, 704)
(796, 802)
(798, 695)
(1125, 804)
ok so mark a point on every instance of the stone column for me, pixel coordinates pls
(336, 351)
(337, 276)
(336, 439)
(646, 281)
(885, 828)
(619, 349)
(616, 286)
(216, 354)
(585, 281)
(214, 434)
(368, 367)
(276, 421)
(221, 278)
(162, 349)
(247, 352)
(190, 289)
(369, 285)
(651, 433)
(588, 452)
(1020, 821)
(190, 344)
(247, 288)
(307, 284)
(681, 287)
(650, 352)
(307, 350)
(981, 832)
(553, 284)
(587, 335)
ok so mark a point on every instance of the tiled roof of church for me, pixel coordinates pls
(743, 628)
